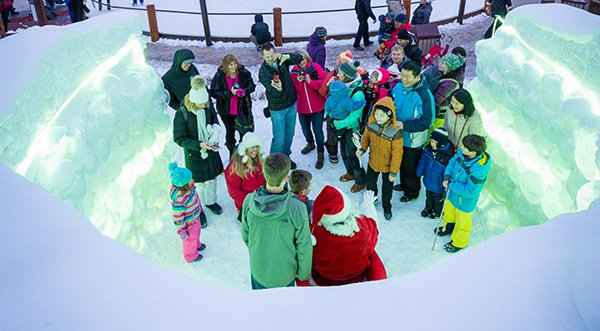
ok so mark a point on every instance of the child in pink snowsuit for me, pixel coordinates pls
(187, 211)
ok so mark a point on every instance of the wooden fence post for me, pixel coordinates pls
(152, 23)
(40, 12)
(461, 11)
(277, 26)
(204, 11)
(407, 8)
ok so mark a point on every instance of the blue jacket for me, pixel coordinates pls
(432, 165)
(356, 95)
(338, 105)
(385, 29)
(415, 107)
(466, 180)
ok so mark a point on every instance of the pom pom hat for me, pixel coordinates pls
(250, 140)
(179, 176)
(345, 56)
(321, 31)
(349, 69)
(452, 61)
(333, 210)
(198, 93)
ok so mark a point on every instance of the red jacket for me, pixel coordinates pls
(5, 4)
(339, 260)
(309, 100)
(239, 188)
(390, 43)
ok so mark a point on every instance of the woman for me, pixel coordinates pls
(444, 86)
(396, 57)
(231, 87)
(308, 77)
(196, 129)
(244, 172)
(422, 13)
(462, 119)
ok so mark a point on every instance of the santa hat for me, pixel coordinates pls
(332, 210)
(345, 56)
(249, 140)
(198, 92)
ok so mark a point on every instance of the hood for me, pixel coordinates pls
(180, 56)
(258, 18)
(385, 77)
(338, 90)
(483, 160)
(315, 40)
(386, 102)
(270, 205)
(356, 82)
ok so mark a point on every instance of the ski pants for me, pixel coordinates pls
(462, 229)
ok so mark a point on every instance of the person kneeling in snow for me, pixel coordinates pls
(344, 241)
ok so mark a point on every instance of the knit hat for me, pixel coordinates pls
(452, 61)
(441, 136)
(321, 31)
(345, 56)
(349, 69)
(403, 34)
(198, 92)
(383, 76)
(393, 70)
(400, 18)
(179, 176)
(333, 210)
(250, 140)
(389, 16)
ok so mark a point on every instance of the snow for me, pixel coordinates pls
(63, 269)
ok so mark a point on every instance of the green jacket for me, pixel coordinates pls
(285, 98)
(177, 81)
(275, 227)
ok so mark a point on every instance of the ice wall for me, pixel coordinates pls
(538, 91)
(91, 125)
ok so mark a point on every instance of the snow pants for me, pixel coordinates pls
(192, 243)
(462, 229)
(207, 191)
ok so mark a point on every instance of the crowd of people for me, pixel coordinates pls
(417, 125)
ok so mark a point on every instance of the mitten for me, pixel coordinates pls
(241, 93)
(214, 131)
(184, 235)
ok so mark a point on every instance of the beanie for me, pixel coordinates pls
(333, 210)
(389, 16)
(179, 176)
(441, 136)
(249, 140)
(403, 34)
(400, 18)
(198, 92)
(321, 31)
(349, 69)
(452, 61)
(393, 70)
(345, 56)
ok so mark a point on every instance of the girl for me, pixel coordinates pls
(462, 119)
(187, 212)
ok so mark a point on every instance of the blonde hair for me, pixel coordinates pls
(304, 54)
(242, 169)
(397, 48)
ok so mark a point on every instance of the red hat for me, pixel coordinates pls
(333, 210)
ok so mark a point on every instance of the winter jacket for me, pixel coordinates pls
(406, 26)
(339, 104)
(177, 81)
(416, 109)
(186, 207)
(385, 141)
(385, 29)
(324, 89)
(421, 14)
(316, 49)
(363, 10)
(275, 229)
(499, 7)
(357, 95)
(239, 188)
(185, 134)
(309, 100)
(432, 76)
(458, 126)
(285, 98)
(432, 165)
(443, 93)
(412, 51)
(219, 91)
(339, 260)
(260, 30)
(388, 62)
(467, 178)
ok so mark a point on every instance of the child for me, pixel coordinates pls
(380, 83)
(188, 214)
(385, 141)
(431, 166)
(339, 104)
(300, 182)
(386, 28)
(464, 178)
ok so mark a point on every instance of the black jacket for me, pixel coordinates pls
(219, 91)
(285, 98)
(177, 81)
(363, 10)
(260, 30)
(499, 7)
(412, 51)
(422, 14)
(185, 134)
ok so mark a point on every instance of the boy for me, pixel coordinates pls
(386, 28)
(275, 229)
(464, 178)
(300, 182)
(431, 166)
(385, 141)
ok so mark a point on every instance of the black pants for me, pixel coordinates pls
(363, 32)
(434, 201)
(229, 122)
(409, 182)
(488, 34)
(387, 187)
(349, 156)
(332, 140)
(5, 14)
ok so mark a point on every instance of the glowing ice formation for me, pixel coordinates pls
(538, 91)
(100, 135)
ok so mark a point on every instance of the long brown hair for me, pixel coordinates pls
(227, 59)
(242, 169)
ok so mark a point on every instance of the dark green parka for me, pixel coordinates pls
(177, 81)
(285, 98)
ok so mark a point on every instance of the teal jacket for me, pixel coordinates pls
(352, 121)
(275, 227)
(415, 107)
(467, 178)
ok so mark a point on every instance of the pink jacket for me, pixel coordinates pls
(309, 99)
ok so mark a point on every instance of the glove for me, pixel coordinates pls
(184, 235)
(241, 93)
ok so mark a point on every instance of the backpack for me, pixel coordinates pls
(184, 113)
(366, 108)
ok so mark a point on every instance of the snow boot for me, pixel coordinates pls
(203, 222)
(309, 147)
(357, 188)
(293, 166)
(320, 160)
(346, 177)
(333, 159)
(215, 208)
(388, 215)
(201, 248)
(451, 248)
(198, 258)
(398, 188)
(425, 213)
(406, 199)
(449, 229)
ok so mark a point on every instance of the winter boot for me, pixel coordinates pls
(346, 177)
(215, 208)
(309, 147)
(398, 188)
(387, 215)
(449, 229)
(357, 188)
(198, 258)
(203, 222)
(202, 247)
(333, 159)
(320, 160)
(425, 212)
(406, 199)
(451, 248)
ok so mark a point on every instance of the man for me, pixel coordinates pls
(410, 45)
(275, 227)
(177, 79)
(259, 32)
(274, 75)
(415, 112)
(363, 12)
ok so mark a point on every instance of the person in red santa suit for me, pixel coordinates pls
(344, 241)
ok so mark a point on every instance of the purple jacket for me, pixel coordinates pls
(316, 49)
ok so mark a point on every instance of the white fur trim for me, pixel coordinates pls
(342, 223)
(250, 139)
(214, 131)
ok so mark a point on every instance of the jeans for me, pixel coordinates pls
(387, 188)
(258, 286)
(409, 182)
(351, 162)
(363, 32)
(284, 126)
(316, 119)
